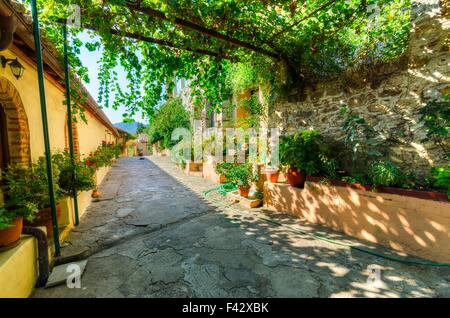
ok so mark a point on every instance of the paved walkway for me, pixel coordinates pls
(155, 234)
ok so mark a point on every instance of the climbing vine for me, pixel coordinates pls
(226, 45)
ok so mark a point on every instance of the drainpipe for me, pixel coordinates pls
(69, 121)
(48, 156)
(44, 267)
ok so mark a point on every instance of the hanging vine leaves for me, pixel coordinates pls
(310, 39)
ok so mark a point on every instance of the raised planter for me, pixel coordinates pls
(193, 167)
(426, 195)
(405, 223)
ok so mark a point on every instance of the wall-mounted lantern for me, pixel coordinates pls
(16, 68)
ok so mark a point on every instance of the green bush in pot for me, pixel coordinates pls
(305, 153)
(6, 218)
(26, 189)
(84, 180)
(242, 176)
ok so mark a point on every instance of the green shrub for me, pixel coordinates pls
(6, 218)
(104, 155)
(384, 173)
(307, 151)
(84, 180)
(238, 174)
(223, 168)
(439, 177)
(171, 115)
(27, 189)
(436, 117)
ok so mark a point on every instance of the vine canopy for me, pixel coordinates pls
(155, 41)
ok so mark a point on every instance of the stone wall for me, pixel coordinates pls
(387, 96)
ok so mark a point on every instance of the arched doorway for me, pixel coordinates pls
(14, 132)
(15, 125)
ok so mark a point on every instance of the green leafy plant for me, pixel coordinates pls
(306, 151)
(103, 155)
(6, 218)
(436, 117)
(240, 174)
(439, 177)
(223, 168)
(384, 173)
(307, 48)
(170, 116)
(360, 137)
(27, 188)
(84, 180)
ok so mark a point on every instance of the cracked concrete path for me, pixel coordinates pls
(155, 234)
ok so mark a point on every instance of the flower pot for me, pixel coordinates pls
(44, 218)
(296, 178)
(96, 194)
(272, 175)
(11, 234)
(244, 191)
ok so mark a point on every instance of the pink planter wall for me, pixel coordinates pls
(416, 226)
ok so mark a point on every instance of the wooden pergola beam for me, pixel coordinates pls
(143, 38)
(199, 29)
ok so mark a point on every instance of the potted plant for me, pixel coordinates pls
(27, 191)
(10, 227)
(301, 154)
(242, 175)
(84, 174)
(20, 205)
(272, 174)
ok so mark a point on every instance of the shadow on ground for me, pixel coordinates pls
(156, 235)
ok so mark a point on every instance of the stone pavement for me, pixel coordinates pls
(155, 234)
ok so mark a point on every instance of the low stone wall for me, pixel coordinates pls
(415, 226)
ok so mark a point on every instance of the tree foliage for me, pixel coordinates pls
(171, 115)
(305, 39)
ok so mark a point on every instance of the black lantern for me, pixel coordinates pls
(16, 68)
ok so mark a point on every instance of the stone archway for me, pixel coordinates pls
(18, 134)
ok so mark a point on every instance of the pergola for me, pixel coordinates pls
(223, 48)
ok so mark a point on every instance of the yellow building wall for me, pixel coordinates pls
(91, 133)
(18, 267)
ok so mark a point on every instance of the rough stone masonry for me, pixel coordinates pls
(388, 96)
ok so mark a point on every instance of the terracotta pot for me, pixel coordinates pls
(244, 191)
(11, 235)
(272, 176)
(44, 218)
(296, 178)
(222, 179)
(96, 194)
